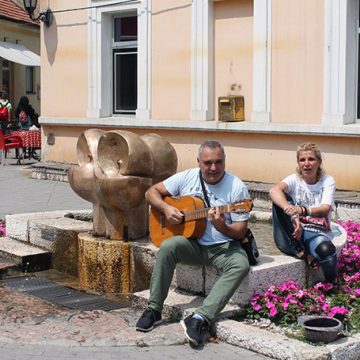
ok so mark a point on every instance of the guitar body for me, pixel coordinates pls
(160, 229)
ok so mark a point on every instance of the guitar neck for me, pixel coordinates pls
(202, 213)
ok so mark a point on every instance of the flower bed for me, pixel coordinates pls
(283, 304)
(2, 228)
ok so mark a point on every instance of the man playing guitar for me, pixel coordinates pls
(219, 244)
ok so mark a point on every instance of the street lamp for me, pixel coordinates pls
(45, 17)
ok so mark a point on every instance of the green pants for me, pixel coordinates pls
(230, 257)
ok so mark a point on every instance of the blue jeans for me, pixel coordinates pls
(317, 245)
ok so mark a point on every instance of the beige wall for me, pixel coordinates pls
(233, 49)
(297, 61)
(296, 80)
(64, 61)
(253, 157)
(171, 59)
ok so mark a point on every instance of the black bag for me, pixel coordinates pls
(249, 245)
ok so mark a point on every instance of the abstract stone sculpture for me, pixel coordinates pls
(115, 170)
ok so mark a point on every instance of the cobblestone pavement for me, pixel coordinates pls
(53, 352)
(33, 329)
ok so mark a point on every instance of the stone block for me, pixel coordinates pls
(105, 265)
(190, 278)
(46, 233)
(179, 304)
(144, 255)
(269, 270)
(17, 225)
(60, 236)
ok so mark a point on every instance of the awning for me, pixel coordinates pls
(19, 54)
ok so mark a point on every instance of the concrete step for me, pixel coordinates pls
(179, 304)
(26, 257)
(7, 266)
(54, 231)
(50, 171)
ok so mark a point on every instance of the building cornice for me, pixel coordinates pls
(350, 130)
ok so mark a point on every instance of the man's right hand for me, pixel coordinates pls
(173, 215)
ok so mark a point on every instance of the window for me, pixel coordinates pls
(125, 65)
(6, 76)
(121, 26)
(125, 29)
(29, 79)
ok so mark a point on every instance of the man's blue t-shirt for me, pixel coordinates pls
(227, 191)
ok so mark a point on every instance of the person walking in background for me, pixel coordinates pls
(302, 207)
(26, 114)
(219, 245)
(5, 111)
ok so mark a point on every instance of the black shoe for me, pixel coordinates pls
(195, 329)
(148, 319)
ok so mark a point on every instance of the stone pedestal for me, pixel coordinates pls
(105, 265)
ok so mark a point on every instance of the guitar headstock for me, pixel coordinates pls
(241, 206)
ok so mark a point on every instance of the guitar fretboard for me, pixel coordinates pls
(202, 213)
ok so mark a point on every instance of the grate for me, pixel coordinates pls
(61, 295)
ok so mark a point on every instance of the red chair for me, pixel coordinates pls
(8, 142)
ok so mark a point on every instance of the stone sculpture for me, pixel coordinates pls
(115, 170)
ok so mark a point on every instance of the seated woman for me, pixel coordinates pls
(302, 207)
(25, 113)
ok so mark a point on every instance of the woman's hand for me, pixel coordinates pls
(293, 210)
(298, 230)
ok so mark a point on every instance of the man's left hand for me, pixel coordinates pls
(217, 219)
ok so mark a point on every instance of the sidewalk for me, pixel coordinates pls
(33, 329)
(20, 193)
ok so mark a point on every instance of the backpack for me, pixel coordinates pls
(4, 112)
(22, 116)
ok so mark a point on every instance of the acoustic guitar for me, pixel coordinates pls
(195, 213)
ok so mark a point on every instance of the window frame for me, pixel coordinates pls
(29, 80)
(100, 82)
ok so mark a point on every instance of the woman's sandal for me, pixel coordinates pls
(298, 249)
(312, 262)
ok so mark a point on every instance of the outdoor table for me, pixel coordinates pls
(31, 140)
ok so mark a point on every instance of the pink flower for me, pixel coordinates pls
(338, 310)
(273, 312)
(256, 307)
(269, 304)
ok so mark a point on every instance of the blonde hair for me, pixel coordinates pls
(315, 149)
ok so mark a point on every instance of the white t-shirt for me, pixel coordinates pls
(227, 191)
(311, 195)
